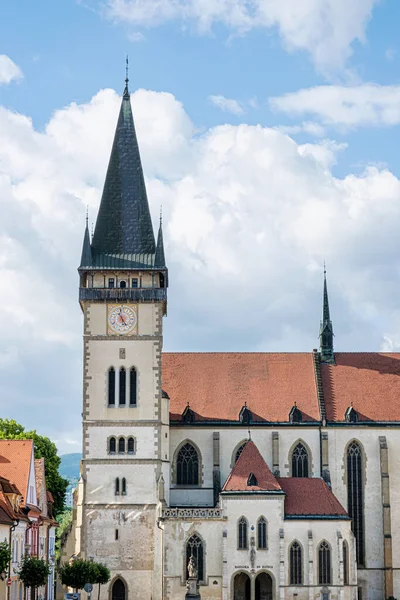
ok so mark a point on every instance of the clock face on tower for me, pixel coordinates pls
(122, 319)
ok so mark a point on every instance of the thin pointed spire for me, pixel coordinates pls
(159, 259)
(126, 90)
(86, 256)
(326, 328)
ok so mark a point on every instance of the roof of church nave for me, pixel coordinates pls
(304, 496)
(218, 384)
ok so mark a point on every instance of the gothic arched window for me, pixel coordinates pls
(133, 387)
(111, 386)
(262, 533)
(355, 497)
(239, 452)
(131, 445)
(117, 486)
(324, 564)
(194, 547)
(242, 534)
(112, 445)
(345, 564)
(300, 461)
(187, 466)
(122, 386)
(118, 591)
(121, 445)
(123, 486)
(295, 564)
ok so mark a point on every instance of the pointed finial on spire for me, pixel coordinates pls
(126, 90)
(92, 230)
(161, 215)
(249, 435)
(326, 328)
(87, 215)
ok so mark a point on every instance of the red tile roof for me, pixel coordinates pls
(15, 463)
(369, 380)
(251, 461)
(309, 497)
(217, 385)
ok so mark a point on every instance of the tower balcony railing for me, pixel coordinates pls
(123, 294)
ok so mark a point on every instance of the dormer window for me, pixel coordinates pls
(295, 415)
(111, 282)
(134, 283)
(245, 415)
(351, 415)
(188, 415)
(252, 480)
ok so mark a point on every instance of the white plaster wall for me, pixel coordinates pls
(147, 318)
(144, 436)
(140, 479)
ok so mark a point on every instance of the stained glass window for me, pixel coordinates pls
(300, 461)
(187, 466)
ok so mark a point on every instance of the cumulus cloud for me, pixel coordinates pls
(350, 107)
(226, 104)
(8, 70)
(249, 217)
(326, 29)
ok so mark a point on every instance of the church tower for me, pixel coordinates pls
(123, 296)
(326, 329)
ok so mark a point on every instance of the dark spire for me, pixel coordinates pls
(326, 328)
(159, 261)
(123, 224)
(86, 257)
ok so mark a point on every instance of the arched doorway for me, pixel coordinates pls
(118, 590)
(241, 587)
(264, 587)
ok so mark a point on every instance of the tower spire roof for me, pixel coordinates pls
(326, 328)
(159, 261)
(86, 256)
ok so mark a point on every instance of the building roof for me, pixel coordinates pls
(310, 497)
(15, 463)
(159, 260)
(250, 462)
(217, 385)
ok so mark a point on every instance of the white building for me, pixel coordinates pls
(303, 510)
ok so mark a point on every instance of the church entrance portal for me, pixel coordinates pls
(264, 587)
(241, 587)
(118, 590)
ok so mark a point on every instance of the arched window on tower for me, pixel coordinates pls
(324, 564)
(194, 547)
(122, 386)
(122, 284)
(112, 445)
(187, 466)
(345, 564)
(355, 497)
(300, 461)
(123, 486)
(133, 387)
(242, 534)
(131, 445)
(111, 386)
(121, 445)
(117, 486)
(295, 564)
(262, 533)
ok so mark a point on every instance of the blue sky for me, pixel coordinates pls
(268, 132)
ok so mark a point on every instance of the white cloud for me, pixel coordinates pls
(314, 129)
(326, 29)
(336, 105)
(8, 70)
(249, 217)
(226, 104)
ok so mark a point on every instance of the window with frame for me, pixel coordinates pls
(133, 387)
(123, 486)
(111, 282)
(355, 497)
(324, 564)
(122, 284)
(300, 461)
(194, 547)
(242, 534)
(345, 564)
(131, 445)
(262, 533)
(116, 488)
(111, 386)
(134, 283)
(121, 445)
(296, 564)
(112, 445)
(187, 466)
(122, 386)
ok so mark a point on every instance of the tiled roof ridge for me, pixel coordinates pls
(271, 352)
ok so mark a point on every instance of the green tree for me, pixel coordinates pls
(78, 572)
(102, 575)
(5, 557)
(33, 573)
(44, 448)
(64, 524)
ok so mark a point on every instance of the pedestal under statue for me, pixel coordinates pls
(192, 583)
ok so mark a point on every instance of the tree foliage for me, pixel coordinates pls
(33, 572)
(78, 572)
(44, 448)
(5, 557)
(103, 575)
(64, 523)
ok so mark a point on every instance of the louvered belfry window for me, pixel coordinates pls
(111, 386)
(355, 497)
(296, 566)
(133, 387)
(122, 387)
(324, 564)
(242, 533)
(194, 547)
(187, 466)
(300, 461)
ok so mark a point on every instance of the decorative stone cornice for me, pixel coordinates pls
(192, 513)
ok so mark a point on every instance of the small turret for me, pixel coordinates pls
(326, 329)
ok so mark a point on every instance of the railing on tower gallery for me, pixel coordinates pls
(123, 294)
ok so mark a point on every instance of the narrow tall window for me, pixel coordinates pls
(112, 445)
(187, 466)
(355, 497)
(295, 564)
(324, 564)
(194, 547)
(300, 461)
(121, 445)
(111, 386)
(134, 283)
(345, 564)
(123, 486)
(242, 534)
(262, 533)
(122, 386)
(133, 387)
(111, 282)
(131, 445)
(117, 486)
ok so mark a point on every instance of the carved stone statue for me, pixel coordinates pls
(192, 584)
(192, 568)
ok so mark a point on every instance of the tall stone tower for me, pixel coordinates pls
(123, 295)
